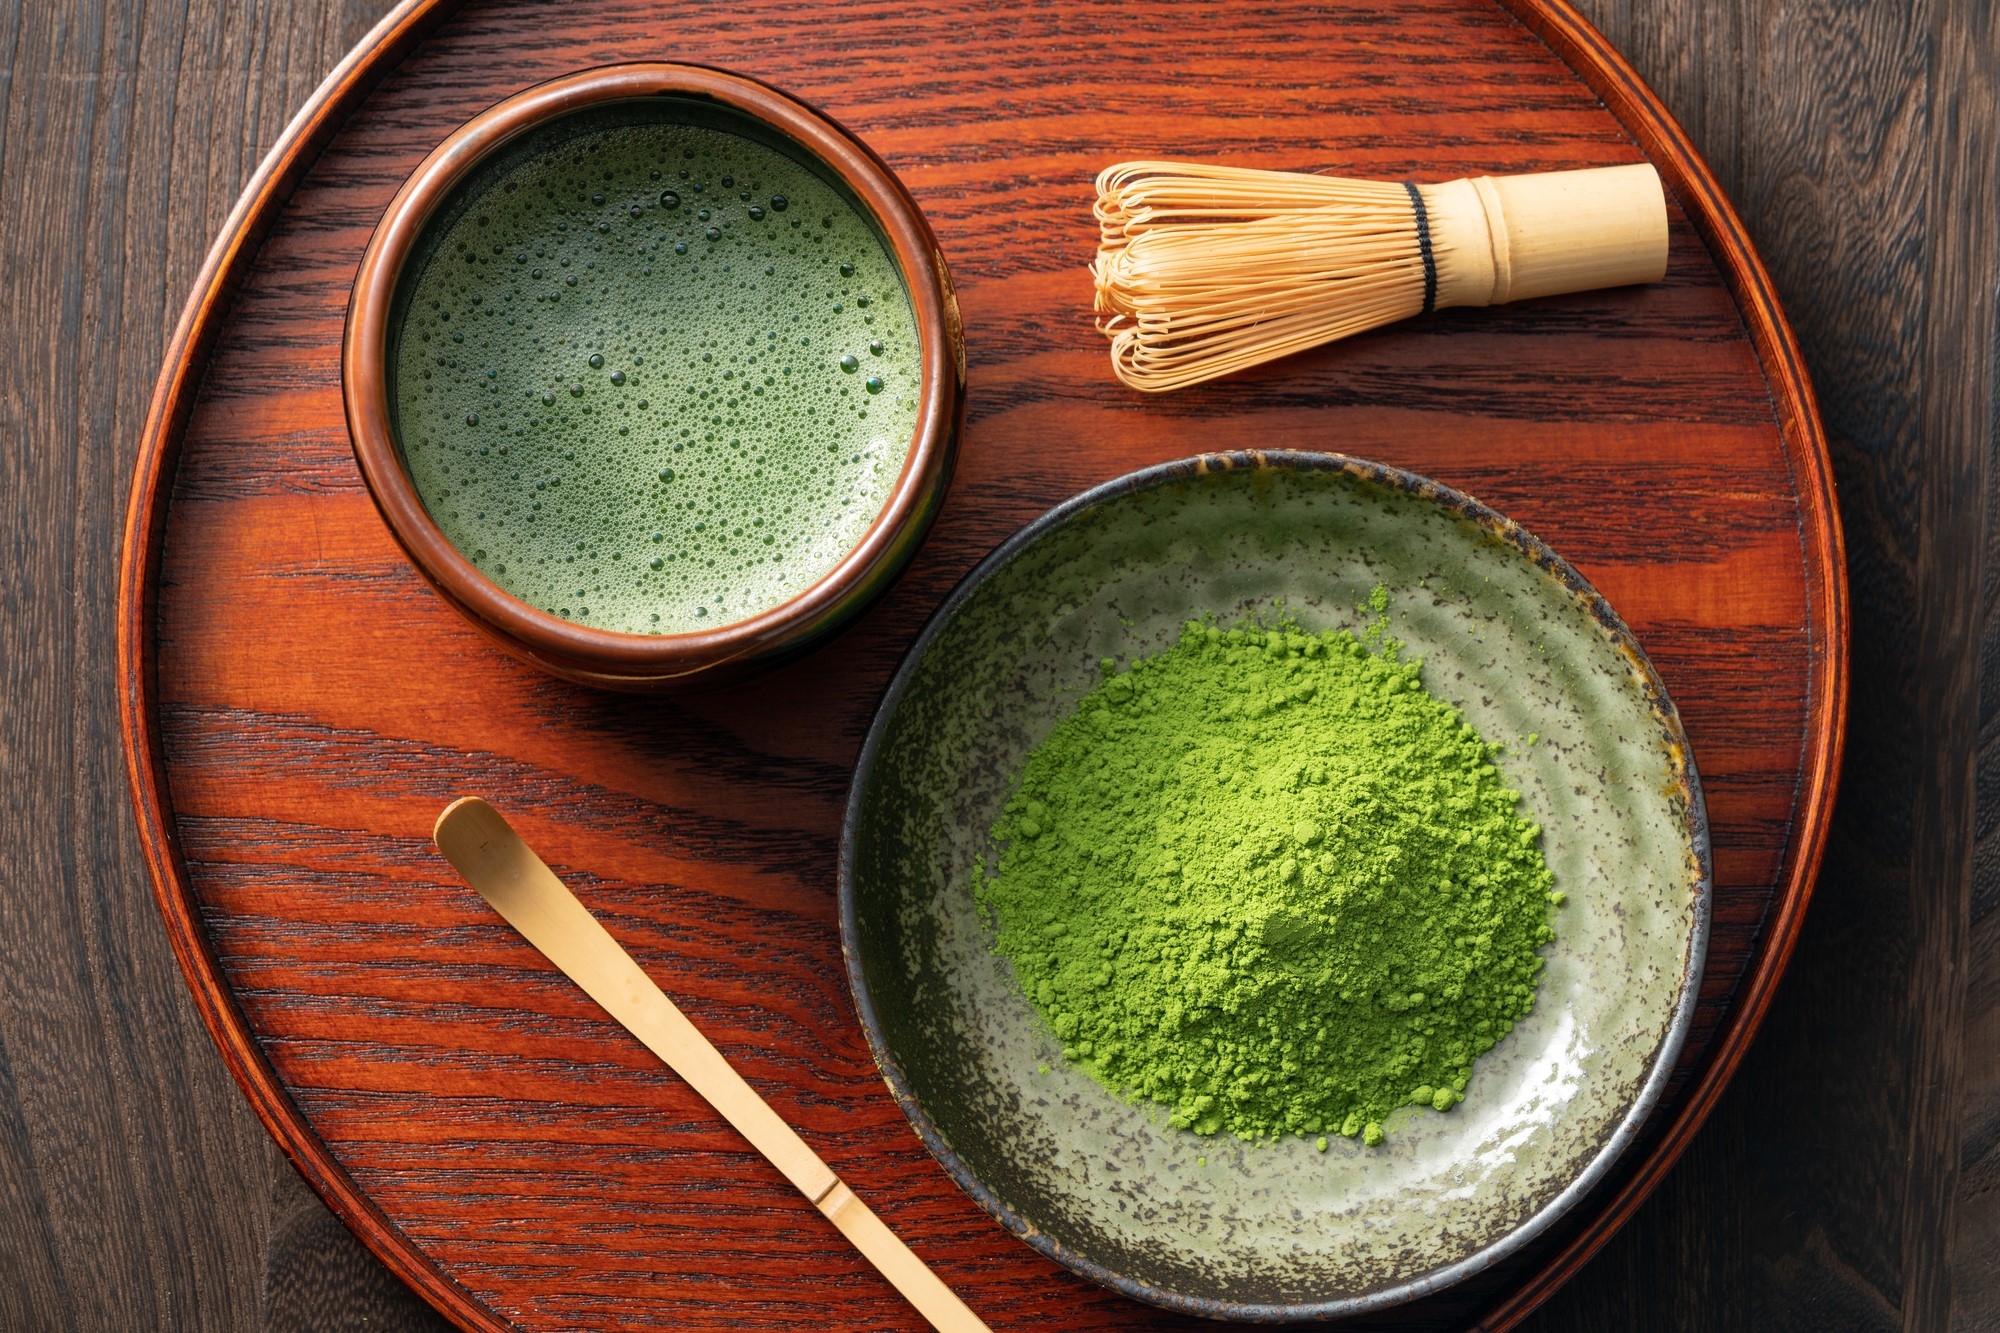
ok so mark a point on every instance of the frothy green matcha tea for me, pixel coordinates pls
(654, 377)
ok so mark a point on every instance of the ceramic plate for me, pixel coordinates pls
(1510, 634)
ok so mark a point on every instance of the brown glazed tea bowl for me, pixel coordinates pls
(463, 165)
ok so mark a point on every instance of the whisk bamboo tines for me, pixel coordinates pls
(1204, 270)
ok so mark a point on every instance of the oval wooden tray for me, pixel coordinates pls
(298, 706)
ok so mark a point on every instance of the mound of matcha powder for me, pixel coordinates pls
(1267, 880)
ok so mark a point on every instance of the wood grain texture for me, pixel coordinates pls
(280, 780)
(142, 1192)
(139, 1190)
(1973, 46)
(1859, 143)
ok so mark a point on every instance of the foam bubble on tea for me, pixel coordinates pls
(656, 378)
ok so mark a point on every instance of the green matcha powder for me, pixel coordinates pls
(1268, 881)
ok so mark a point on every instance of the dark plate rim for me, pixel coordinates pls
(1495, 525)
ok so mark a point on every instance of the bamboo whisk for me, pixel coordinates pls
(1205, 270)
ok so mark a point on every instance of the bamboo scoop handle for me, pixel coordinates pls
(1508, 238)
(505, 870)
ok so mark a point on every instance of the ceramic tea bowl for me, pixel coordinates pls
(466, 168)
(1509, 633)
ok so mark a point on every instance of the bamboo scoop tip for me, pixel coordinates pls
(476, 839)
(460, 809)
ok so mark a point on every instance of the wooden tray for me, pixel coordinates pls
(298, 706)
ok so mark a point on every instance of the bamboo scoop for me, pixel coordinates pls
(1204, 270)
(505, 870)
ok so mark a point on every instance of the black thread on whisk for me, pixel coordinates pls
(1424, 249)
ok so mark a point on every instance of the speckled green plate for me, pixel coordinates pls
(1508, 632)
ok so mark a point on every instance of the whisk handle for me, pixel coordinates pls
(1508, 238)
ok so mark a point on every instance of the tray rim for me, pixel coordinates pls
(1570, 37)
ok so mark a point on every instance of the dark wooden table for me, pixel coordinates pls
(1851, 1177)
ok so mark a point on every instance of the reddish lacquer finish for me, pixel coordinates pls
(299, 704)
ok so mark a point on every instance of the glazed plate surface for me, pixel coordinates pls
(1506, 631)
